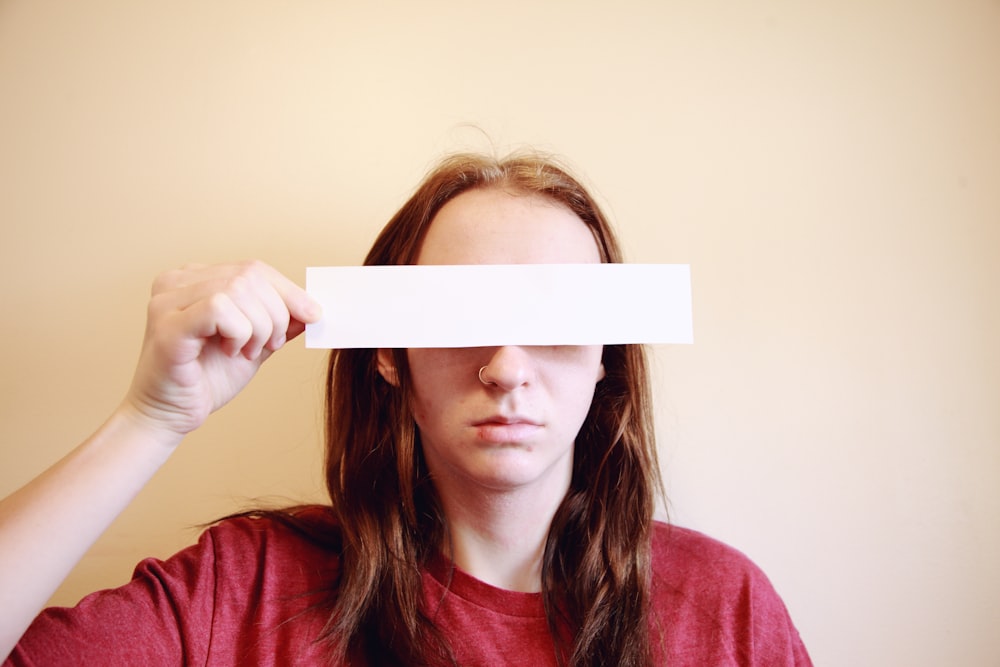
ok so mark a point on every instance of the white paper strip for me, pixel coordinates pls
(490, 304)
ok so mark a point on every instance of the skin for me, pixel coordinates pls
(501, 455)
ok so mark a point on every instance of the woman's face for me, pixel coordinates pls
(519, 430)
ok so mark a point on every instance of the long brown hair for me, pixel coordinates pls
(596, 563)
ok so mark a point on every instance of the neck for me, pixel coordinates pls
(499, 536)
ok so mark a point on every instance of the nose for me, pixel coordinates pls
(508, 368)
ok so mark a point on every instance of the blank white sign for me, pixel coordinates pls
(493, 304)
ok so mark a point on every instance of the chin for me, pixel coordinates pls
(513, 475)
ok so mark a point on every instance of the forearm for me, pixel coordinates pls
(48, 525)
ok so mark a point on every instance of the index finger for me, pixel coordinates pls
(301, 307)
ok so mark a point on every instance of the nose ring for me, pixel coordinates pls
(482, 379)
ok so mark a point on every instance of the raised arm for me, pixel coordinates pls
(209, 328)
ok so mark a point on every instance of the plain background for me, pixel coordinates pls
(830, 170)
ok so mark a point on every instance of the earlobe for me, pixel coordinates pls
(600, 372)
(386, 368)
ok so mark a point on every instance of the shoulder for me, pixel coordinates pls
(309, 526)
(246, 559)
(682, 553)
(706, 593)
(303, 543)
(701, 574)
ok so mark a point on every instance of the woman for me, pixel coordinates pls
(489, 506)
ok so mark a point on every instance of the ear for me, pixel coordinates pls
(601, 372)
(386, 367)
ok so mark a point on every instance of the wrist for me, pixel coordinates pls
(141, 426)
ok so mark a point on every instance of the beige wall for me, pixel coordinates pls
(832, 174)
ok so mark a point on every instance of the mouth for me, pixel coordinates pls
(503, 429)
(505, 420)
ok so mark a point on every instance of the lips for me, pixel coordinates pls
(503, 429)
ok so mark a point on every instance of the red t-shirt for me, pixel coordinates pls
(242, 596)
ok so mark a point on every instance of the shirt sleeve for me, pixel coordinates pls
(253, 590)
(714, 606)
(163, 616)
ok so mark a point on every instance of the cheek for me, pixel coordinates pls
(587, 366)
(428, 408)
(423, 402)
(584, 398)
(590, 372)
(434, 387)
